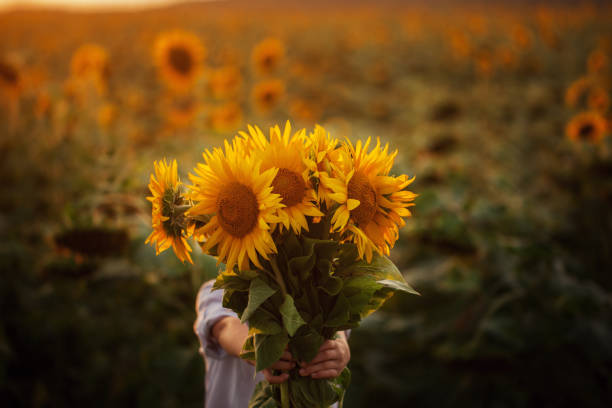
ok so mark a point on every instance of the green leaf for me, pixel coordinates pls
(248, 349)
(332, 286)
(265, 322)
(258, 293)
(263, 396)
(269, 349)
(291, 317)
(340, 313)
(305, 346)
(341, 383)
(397, 285)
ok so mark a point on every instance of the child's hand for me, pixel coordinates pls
(332, 358)
(285, 363)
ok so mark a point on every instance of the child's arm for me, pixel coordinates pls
(332, 358)
(231, 334)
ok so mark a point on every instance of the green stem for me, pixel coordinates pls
(279, 275)
(284, 389)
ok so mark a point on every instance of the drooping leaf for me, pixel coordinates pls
(269, 348)
(259, 291)
(397, 285)
(291, 317)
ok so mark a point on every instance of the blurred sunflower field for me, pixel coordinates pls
(500, 109)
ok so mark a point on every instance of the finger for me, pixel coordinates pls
(330, 354)
(283, 365)
(330, 373)
(326, 365)
(275, 379)
(286, 356)
(327, 345)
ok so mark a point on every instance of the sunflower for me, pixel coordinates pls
(597, 62)
(225, 117)
(168, 214)
(224, 82)
(231, 188)
(181, 110)
(598, 100)
(324, 156)
(292, 182)
(267, 94)
(10, 78)
(586, 126)
(267, 55)
(576, 91)
(371, 203)
(179, 57)
(90, 63)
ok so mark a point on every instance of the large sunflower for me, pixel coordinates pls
(371, 203)
(287, 153)
(586, 126)
(179, 57)
(231, 188)
(168, 219)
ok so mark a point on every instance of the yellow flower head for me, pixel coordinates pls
(168, 219)
(587, 126)
(324, 153)
(287, 153)
(231, 187)
(179, 57)
(267, 55)
(371, 203)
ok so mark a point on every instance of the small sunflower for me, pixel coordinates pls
(267, 94)
(371, 203)
(598, 100)
(10, 78)
(587, 126)
(179, 57)
(90, 63)
(292, 182)
(224, 82)
(267, 55)
(225, 117)
(231, 188)
(576, 91)
(181, 110)
(168, 214)
(324, 155)
(597, 62)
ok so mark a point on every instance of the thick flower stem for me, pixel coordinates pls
(279, 276)
(284, 389)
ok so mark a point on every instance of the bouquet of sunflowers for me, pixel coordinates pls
(303, 223)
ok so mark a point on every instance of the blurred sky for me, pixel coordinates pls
(87, 4)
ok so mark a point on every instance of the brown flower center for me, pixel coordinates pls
(586, 131)
(359, 188)
(290, 186)
(237, 209)
(180, 59)
(8, 74)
